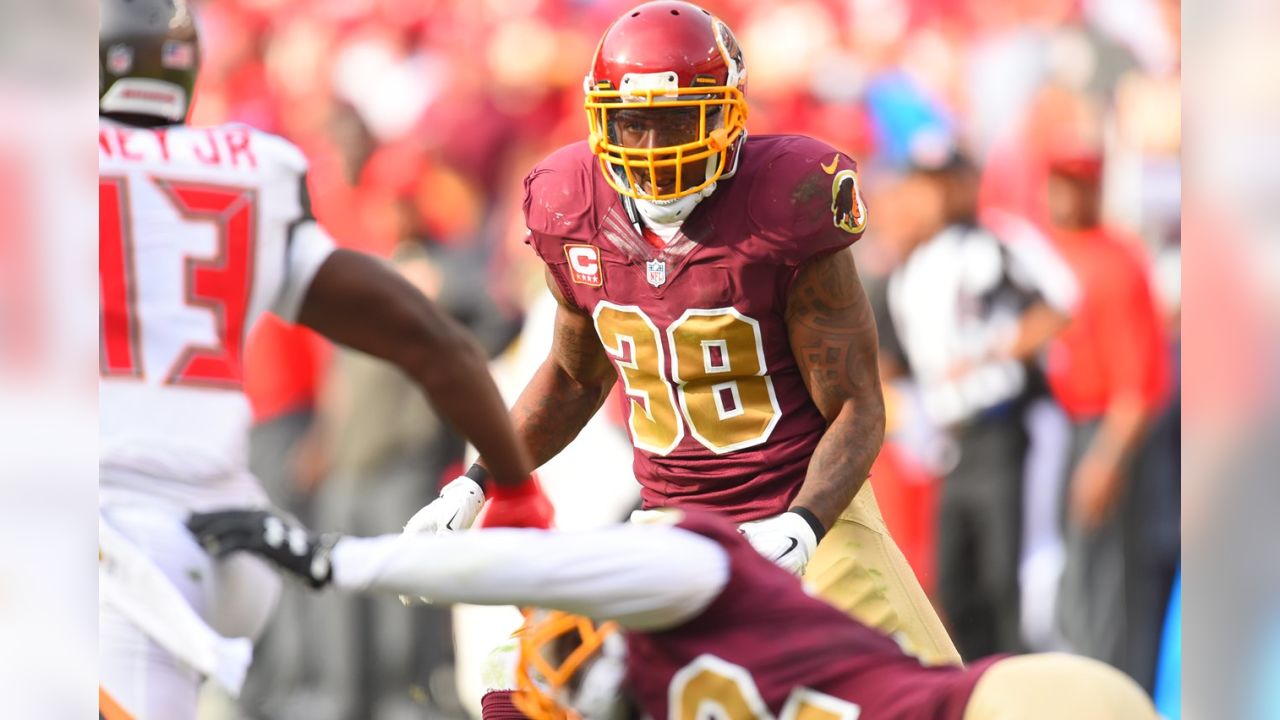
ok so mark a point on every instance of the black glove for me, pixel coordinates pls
(274, 537)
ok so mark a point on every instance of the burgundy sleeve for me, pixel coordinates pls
(557, 208)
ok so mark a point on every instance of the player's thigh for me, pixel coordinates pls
(1057, 686)
(234, 596)
(859, 569)
(144, 679)
(244, 594)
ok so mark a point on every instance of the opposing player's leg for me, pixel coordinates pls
(1057, 686)
(859, 569)
(142, 676)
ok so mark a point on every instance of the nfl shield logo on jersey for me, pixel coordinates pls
(656, 272)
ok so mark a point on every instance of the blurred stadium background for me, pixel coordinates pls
(420, 119)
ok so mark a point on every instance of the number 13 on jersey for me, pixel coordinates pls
(718, 386)
(220, 284)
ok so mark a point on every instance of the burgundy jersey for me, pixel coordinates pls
(718, 412)
(765, 648)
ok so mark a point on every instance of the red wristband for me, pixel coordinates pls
(525, 488)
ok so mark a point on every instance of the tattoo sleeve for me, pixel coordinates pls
(567, 389)
(833, 336)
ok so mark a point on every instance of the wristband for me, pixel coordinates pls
(524, 488)
(814, 523)
(478, 474)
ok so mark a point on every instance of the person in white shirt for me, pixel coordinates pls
(971, 311)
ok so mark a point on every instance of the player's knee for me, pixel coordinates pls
(1057, 686)
(245, 592)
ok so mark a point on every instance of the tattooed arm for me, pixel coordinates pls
(833, 337)
(569, 387)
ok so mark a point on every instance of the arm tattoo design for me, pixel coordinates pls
(567, 389)
(833, 336)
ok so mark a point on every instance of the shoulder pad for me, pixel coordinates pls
(559, 194)
(805, 199)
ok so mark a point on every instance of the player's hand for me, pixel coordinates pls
(520, 506)
(1096, 486)
(785, 539)
(273, 537)
(455, 509)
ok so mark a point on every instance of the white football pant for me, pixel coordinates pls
(235, 597)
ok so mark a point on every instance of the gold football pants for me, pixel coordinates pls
(859, 569)
(1057, 686)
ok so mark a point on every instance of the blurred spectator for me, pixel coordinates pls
(970, 313)
(1110, 370)
(284, 368)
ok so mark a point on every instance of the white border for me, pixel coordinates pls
(803, 698)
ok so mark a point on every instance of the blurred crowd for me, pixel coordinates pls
(1020, 161)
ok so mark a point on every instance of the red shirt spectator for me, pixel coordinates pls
(284, 365)
(1110, 369)
(1115, 343)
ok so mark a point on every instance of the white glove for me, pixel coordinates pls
(456, 509)
(785, 539)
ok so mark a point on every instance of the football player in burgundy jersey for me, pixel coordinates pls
(200, 231)
(687, 620)
(710, 272)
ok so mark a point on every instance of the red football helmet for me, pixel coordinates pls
(666, 101)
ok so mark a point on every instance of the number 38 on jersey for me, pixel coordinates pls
(717, 386)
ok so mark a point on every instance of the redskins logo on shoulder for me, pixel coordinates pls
(847, 209)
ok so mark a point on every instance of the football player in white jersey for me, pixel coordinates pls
(200, 231)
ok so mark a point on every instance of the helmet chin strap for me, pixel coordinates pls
(667, 212)
(672, 212)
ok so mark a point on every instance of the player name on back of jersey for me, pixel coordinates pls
(228, 146)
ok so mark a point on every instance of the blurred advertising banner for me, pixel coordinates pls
(1231, 486)
(48, 340)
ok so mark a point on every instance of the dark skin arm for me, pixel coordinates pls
(360, 302)
(567, 389)
(833, 337)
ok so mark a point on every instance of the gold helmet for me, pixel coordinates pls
(569, 667)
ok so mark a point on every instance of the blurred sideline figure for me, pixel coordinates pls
(710, 272)
(201, 230)
(682, 618)
(1110, 371)
(971, 312)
